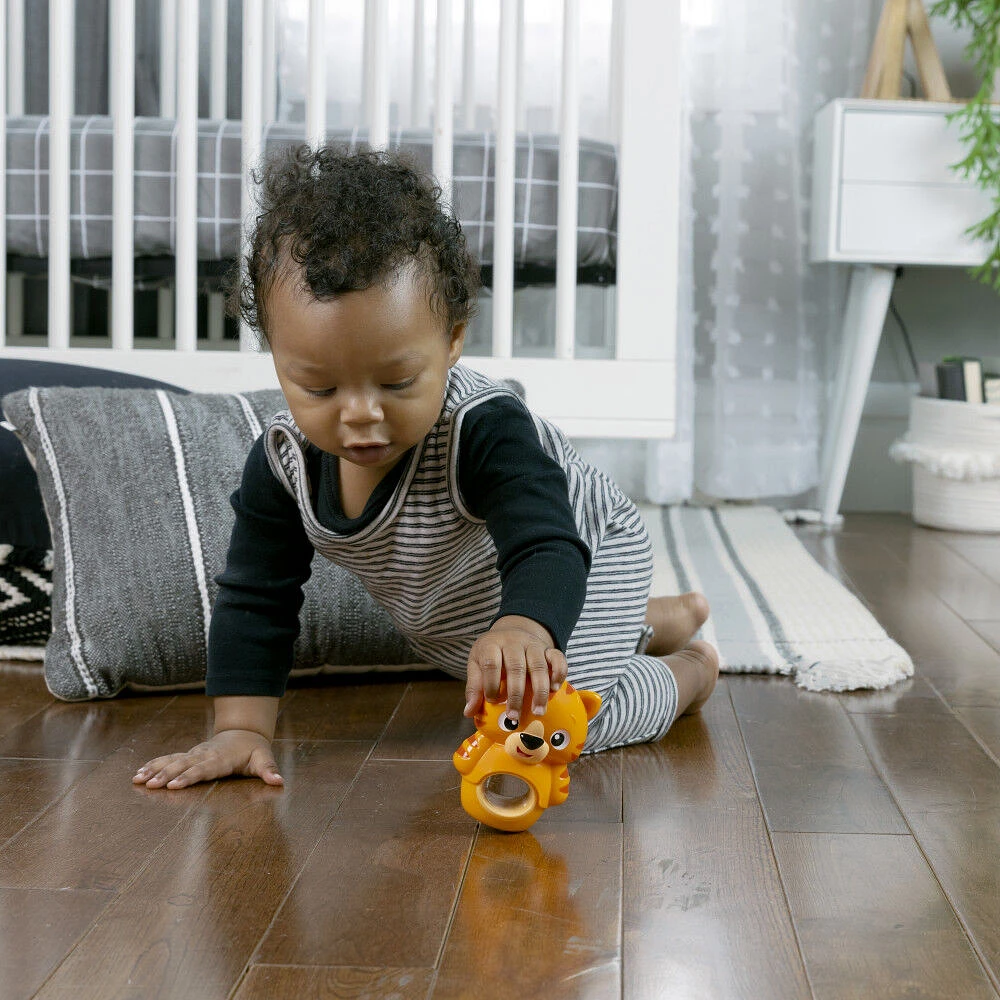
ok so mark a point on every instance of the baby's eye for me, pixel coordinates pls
(396, 386)
(559, 739)
(320, 393)
(506, 722)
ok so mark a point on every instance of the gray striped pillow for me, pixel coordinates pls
(136, 486)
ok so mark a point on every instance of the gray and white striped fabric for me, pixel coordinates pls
(136, 486)
(432, 565)
(775, 610)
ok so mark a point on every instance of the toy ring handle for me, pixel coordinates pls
(483, 802)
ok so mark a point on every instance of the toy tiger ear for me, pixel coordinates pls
(591, 702)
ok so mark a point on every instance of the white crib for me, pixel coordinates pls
(627, 395)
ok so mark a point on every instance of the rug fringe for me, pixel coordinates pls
(853, 675)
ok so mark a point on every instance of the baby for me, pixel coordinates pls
(502, 556)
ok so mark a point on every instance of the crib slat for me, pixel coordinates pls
(316, 73)
(649, 179)
(60, 109)
(218, 97)
(615, 71)
(418, 69)
(520, 109)
(378, 108)
(469, 68)
(186, 318)
(168, 58)
(503, 203)
(442, 162)
(123, 167)
(252, 133)
(3, 188)
(218, 88)
(569, 175)
(13, 312)
(15, 57)
(269, 81)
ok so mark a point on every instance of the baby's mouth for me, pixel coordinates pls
(367, 454)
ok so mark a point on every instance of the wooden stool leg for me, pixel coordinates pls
(929, 66)
(873, 74)
(895, 47)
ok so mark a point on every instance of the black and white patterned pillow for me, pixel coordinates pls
(25, 602)
(136, 486)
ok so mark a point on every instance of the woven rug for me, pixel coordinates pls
(775, 610)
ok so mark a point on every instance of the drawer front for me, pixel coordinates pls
(916, 148)
(910, 223)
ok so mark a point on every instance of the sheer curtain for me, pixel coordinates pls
(756, 318)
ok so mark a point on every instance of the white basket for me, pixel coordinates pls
(955, 451)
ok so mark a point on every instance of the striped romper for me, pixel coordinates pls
(431, 565)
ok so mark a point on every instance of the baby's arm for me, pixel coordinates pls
(241, 744)
(508, 480)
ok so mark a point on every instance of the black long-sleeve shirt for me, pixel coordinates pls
(505, 478)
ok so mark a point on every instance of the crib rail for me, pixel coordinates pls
(628, 395)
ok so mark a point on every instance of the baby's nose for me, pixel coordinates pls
(361, 408)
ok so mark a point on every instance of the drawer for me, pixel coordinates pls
(910, 147)
(910, 223)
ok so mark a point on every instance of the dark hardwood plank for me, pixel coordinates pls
(873, 921)
(428, 724)
(104, 827)
(960, 664)
(948, 789)
(37, 928)
(956, 580)
(989, 630)
(188, 922)
(298, 982)
(983, 551)
(29, 787)
(82, 730)
(23, 693)
(887, 700)
(704, 912)
(380, 887)
(984, 724)
(340, 707)
(931, 759)
(811, 769)
(539, 915)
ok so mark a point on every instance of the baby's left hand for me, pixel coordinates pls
(514, 648)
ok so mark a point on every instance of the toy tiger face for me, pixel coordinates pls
(531, 753)
(557, 737)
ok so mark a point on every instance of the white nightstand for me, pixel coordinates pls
(884, 194)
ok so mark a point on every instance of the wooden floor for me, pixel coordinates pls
(781, 845)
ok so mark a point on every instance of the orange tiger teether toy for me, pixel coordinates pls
(530, 755)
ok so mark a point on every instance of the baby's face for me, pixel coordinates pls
(364, 375)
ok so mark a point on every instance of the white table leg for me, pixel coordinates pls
(867, 304)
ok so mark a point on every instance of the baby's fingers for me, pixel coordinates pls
(558, 666)
(180, 770)
(263, 766)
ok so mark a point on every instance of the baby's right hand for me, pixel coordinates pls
(232, 751)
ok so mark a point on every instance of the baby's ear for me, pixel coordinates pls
(591, 702)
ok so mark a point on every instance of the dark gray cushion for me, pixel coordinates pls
(136, 486)
(22, 515)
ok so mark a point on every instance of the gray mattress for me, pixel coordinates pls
(536, 193)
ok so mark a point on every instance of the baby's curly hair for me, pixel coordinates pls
(351, 221)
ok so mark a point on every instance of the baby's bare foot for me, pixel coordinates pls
(675, 620)
(696, 669)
